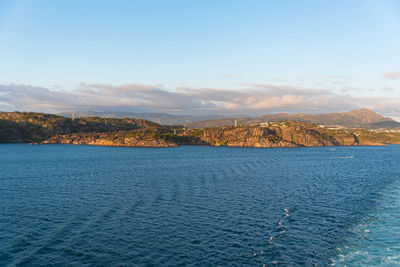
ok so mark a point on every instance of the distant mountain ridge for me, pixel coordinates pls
(160, 118)
(363, 118)
(360, 117)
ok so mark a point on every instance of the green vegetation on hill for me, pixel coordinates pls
(36, 127)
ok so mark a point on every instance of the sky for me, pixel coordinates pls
(200, 57)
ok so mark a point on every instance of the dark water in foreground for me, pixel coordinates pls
(199, 206)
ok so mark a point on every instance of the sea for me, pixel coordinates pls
(66, 205)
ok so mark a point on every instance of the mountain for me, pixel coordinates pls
(160, 118)
(383, 125)
(360, 117)
(364, 118)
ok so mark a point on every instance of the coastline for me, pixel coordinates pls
(52, 129)
(180, 145)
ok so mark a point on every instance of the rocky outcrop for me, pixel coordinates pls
(284, 134)
(122, 138)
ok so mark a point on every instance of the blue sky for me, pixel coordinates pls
(337, 48)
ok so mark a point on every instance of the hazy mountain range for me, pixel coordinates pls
(161, 118)
(364, 118)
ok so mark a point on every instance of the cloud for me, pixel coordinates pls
(388, 89)
(252, 99)
(392, 75)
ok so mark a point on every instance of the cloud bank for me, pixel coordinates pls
(392, 75)
(254, 99)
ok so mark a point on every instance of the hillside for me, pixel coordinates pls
(36, 127)
(282, 134)
(288, 134)
(361, 117)
(53, 129)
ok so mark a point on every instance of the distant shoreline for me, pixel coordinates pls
(177, 146)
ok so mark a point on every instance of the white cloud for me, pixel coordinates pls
(388, 89)
(392, 75)
(253, 99)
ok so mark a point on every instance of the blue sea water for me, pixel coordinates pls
(199, 206)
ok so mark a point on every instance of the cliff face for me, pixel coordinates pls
(287, 134)
(134, 138)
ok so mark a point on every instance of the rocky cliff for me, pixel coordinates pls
(287, 134)
(135, 138)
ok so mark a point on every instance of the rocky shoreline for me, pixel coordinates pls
(287, 134)
(52, 129)
(126, 139)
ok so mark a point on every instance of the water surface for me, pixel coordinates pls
(198, 206)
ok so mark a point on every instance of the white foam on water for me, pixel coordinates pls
(375, 240)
